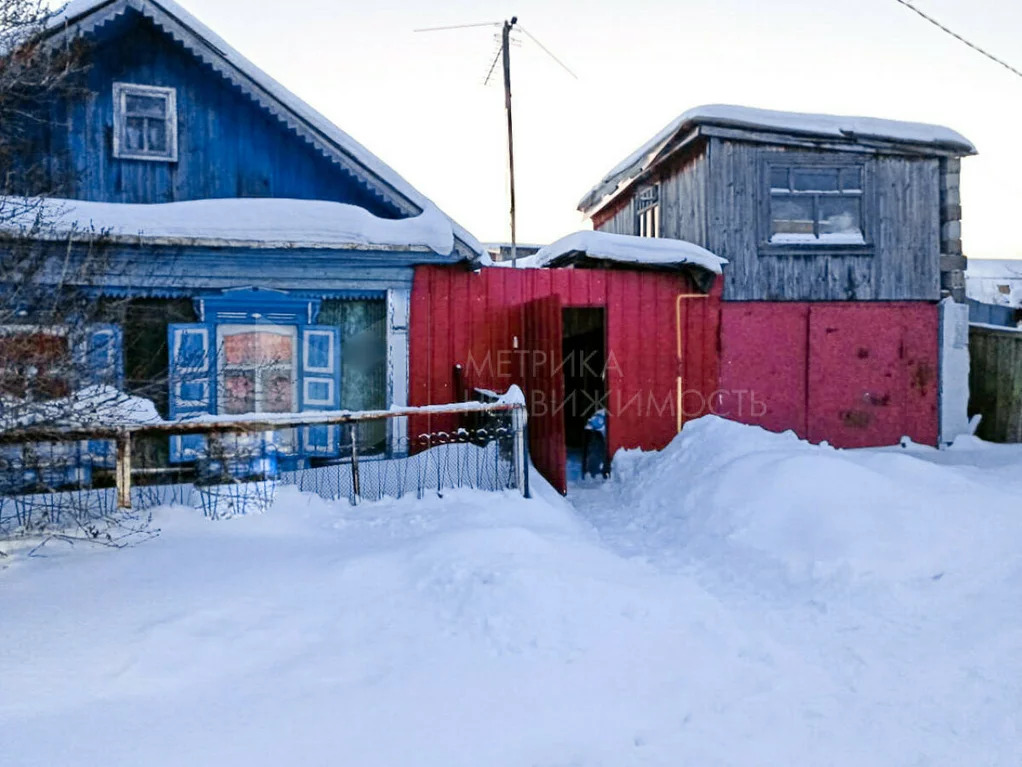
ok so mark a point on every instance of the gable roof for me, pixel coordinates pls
(86, 16)
(918, 136)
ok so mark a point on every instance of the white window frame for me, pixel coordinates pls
(647, 211)
(331, 360)
(317, 401)
(121, 92)
(223, 330)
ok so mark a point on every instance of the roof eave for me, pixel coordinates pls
(667, 149)
(593, 203)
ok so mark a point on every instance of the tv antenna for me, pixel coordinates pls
(504, 54)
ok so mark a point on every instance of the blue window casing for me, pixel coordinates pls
(195, 366)
(319, 386)
(100, 354)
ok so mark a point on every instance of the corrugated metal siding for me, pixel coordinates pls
(544, 381)
(476, 320)
(764, 348)
(853, 374)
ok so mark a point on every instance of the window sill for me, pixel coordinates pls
(122, 155)
(816, 249)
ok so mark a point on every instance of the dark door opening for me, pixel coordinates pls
(583, 365)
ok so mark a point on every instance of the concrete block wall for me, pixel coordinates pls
(952, 260)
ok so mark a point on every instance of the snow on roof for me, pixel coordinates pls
(994, 267)
(262, 222)
(814, 125)
(77, 9)
(994, 281)
(626, 249)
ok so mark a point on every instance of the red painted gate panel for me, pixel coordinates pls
(853, 374)
(763, 364)
(864, 380)
(544, 388)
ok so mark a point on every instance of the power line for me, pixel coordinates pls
(958, 37)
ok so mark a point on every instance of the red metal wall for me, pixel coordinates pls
(473, 318)
(853, 374)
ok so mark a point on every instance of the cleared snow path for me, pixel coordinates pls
(739, 599)
(894, 573)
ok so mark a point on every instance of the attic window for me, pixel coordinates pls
(816, 204)
(647, 211)
(145, 122)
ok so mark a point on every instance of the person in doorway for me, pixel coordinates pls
(594, 446)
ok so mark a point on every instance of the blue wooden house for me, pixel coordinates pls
(260, 258)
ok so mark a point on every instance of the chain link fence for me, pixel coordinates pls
(101, 483)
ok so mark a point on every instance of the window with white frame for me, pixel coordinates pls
(145, 122)
(258, 370)
(647, 211)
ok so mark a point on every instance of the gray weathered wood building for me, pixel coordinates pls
(842, 235)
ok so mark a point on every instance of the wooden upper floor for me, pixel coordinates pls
(801, 210)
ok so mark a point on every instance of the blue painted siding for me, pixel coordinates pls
(228, 145)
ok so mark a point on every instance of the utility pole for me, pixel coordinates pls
(506, 54)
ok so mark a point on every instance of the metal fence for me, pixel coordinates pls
(92, 481)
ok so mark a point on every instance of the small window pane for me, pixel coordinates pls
(156, 135)
(318, 353)
(779, 179)
(791, 217)
(134, 134)
(851, 179)
(277, 391)
(814, 179)
(840, 219)
(257, 348)
(239, 392)
(145, 106)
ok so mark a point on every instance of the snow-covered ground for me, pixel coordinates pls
(740, 599)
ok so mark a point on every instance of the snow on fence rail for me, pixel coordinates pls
(61, 477)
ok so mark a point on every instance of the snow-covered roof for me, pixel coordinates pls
(625, 249)
(257, 222)
(994, 281)
(802, 124)
(81, 15)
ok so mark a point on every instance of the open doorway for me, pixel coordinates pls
(584, 363)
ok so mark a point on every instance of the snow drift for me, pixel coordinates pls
(741, 598)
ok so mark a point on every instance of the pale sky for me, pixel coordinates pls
(416, 100)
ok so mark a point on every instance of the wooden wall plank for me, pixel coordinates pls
(995, 382)
(228, 145)
(905, 264)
